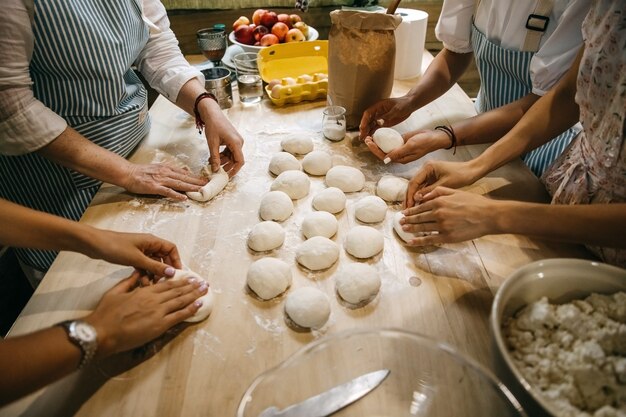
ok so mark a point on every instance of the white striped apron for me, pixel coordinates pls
(81, 69)
(504, 78)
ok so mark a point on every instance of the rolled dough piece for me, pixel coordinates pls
(317, 253)
(370, 209)
(404, 235)
(217, 182)
(308, 307)
(284, 161)
(295, 184)
(387, 139)
(364, 242)
(297, 145)
(276, 205)
(268, 277)
(317, 163)
(266, 236)
(357, 282)
(391, 188)
(207, 299)
(347, 179)
(331, 199)
(319, 223)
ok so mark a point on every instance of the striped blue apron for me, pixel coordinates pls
(504, 78)
(81, 69)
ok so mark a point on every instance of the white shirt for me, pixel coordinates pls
(503, 22)
(26, 124)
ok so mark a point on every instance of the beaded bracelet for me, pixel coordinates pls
(450, 132)
(199, 121)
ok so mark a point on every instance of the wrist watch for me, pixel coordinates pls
(84, 336)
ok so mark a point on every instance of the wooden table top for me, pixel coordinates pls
(444, 293)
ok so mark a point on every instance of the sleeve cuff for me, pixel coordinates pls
(459, 48)
(174, 79)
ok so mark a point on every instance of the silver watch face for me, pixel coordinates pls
(84, 332)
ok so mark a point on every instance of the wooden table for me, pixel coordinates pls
(444, 293)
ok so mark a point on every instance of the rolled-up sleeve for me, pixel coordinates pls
(161, 61)
(454, 27)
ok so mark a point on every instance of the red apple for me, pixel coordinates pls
(284, 18)
(244, 35)
(294, 35)
(242, 20)
(294, 19)
(260, 31)
(269, 19)
(269, 39)
(302, 27)
(256, 16)
(280, 30)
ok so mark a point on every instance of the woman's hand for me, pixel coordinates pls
(454, 216)
(220, 132)
(416, 144)
(391, 110)
(161, 179)
(439, 173)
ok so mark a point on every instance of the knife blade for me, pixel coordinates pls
(333, 400)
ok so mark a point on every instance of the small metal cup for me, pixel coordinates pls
(217, 81)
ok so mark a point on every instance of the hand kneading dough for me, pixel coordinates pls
(207, 299)
(387, 139)
(276, 205)
(405, 236)
(308, 307)
(391, 188)
(266, 236)
(284, 161)
(317, 163)
(268, 277)
(297, 145)
(319, 223)
(357, 282)
(331, 199)
(347, 179)
(295, 184)
(370, 209)
(364, 242)
(317, 253)
(216, 183)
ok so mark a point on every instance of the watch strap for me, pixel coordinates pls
(87, 348)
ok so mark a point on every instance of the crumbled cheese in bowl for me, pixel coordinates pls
(573, 353)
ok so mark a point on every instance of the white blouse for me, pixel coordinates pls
(26, 124)
(503, 22)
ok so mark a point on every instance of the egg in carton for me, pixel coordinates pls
(294, 90)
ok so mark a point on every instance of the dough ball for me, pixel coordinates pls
(319, 223)
(387, 139)
(391, 188)
(357, 282)
(266, 236)
(284, 161)
(268, 277)
(276, 205)
(404, 235)
(308, 307)
(297, 145)
(207, 299)
(331, 199)
(295, 184)
(364, 242)
(370, 209)
(347, 179)
(317, 253)
(317, 163)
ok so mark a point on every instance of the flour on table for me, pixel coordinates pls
(364, 242)
(295, 184)
(357, 282)
(269, 277)
(284, 161)
(319, 223)
(217, 182)
(348, 179)
(330, 199)
(207, 299)
(317, 253)
(308, 307)
(276, 205)
(266, 236)
(370, 209)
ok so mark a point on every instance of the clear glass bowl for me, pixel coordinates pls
(426, 378)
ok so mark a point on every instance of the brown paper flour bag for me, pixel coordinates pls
(361, 56)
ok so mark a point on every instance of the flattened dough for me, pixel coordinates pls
(207, 299)
(217, 182)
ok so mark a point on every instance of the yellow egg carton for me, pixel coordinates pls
(299, 68)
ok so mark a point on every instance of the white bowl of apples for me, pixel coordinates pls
(267, 28)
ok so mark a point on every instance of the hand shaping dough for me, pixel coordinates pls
(357, 282)
(391, 188)
(207, 299)
(347, 179)
(266, 236)
(319, 223)
(308, 307)
(295, 184)
(405, 236)
(216, 183)
(297, 145)
(364, 242)
(268, 277)
(317, 253)
(387, 139)
(317, 163)
(276, 205)
(331, 199)
(284, 161)
(370, 209)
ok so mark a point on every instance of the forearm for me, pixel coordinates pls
(208, 108)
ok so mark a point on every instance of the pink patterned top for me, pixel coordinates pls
(593, 169)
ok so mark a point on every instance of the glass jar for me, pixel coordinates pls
(334, 123)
